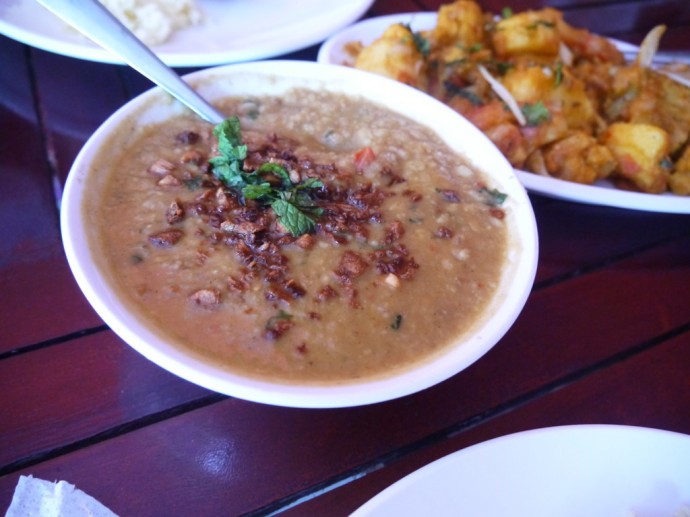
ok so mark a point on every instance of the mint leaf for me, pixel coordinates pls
(269, 184)
(309, 183)
(229, 135)
(227, 166)
(278, 171)
(295, 220)
(257, 191)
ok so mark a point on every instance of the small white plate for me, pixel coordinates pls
(602, 193)
(231, 31)
(570, 471)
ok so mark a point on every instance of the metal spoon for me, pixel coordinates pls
(92, 19)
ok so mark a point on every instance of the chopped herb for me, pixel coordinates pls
(278, 325)
(227, 167)
(475, 48)
(559, 73)
(506, 12)
(269, 184)
(194, 183)
(535, 113)
(456, 62)
(493, 197)
(422, 44)
(397, 322)
(330, 137)
(501, 67)
(465, 93)
(282, 315)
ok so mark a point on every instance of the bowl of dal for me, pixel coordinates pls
(341, 239)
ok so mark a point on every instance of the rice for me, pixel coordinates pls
(154, 21)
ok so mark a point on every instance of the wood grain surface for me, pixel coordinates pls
(604, 336)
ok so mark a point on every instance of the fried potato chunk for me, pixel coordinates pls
(679, 181)
(460, 23)
(529, 32)
(664, 103)
(557, 100)
(529, 84)
(395, 55)
(578, 157)
(580, 108)
(639, 150)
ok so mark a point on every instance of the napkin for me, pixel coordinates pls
(35, 497)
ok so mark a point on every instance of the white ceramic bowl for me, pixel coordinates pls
(274, 77)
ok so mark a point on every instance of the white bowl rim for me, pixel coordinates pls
(454, 359)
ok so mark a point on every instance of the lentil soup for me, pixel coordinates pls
(401, 250)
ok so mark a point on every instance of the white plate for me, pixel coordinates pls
(590, 470)
(602, 193)
(232, 30)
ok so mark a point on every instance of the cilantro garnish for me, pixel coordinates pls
(535, 113)
(501, 67)
(559, 73)
(475, 48)
(465, 92)
(493, 197)
(281, 316)
(506, 12)
(422, 44)
(270, 184)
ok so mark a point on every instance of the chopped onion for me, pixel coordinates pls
(505, 95)
(649, 46)
(565, 54)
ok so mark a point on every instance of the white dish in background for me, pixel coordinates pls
(274, 78)
(570, 471)
(231, 31)
(366, 31)
(602, 193)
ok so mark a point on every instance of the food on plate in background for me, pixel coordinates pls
(315, 237)
(154, 21)
(557, 100)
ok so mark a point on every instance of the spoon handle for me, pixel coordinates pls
(92, 19)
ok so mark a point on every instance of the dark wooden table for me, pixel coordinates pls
(604, 336)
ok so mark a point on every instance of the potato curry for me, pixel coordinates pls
(557, 100)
